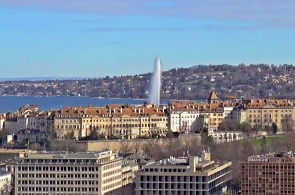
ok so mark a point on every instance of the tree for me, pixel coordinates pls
(6, 189)
(255, 130)
(274, 128)
(263, 145)
(137, 145)
(287, 124)
(246, 128)
(125, 147)
(70, 135)
(93, 135)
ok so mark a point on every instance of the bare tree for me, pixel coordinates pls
(149, 148)
(136, 145)
(246, 128)
(6, 189)
(287, 124)
(125, 146)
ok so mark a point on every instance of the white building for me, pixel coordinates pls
(31, 135)
(2, 120)
(10, 125)
(183, 119)
(22, 122)
(187, 175)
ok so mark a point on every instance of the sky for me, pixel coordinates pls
(96, 38)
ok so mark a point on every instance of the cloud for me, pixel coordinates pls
(175, 29)
(266, 13)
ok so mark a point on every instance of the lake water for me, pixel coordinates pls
(12, 103)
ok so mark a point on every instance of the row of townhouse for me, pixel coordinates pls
(214, 113)
(129, 121)
(122, 121)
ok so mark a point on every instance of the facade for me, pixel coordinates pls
(183, 117)
(264, 112)
(31, 136)
(10, 125)
(269, 174)
(120, 121)
(187, 175)
(71, 173)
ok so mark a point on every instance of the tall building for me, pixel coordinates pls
(97, 173)
(269, 174)
(186, 175)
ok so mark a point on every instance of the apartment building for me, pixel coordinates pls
(31, 136)
(264, 112)
(97, 173)
(268, 174)
(121, 121)
(183, 117)
(185, 175)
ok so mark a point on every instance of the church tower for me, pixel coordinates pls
(213, 99)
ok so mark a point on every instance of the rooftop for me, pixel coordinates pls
(67, 155)
(267, 157)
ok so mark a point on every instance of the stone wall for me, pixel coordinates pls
(117, 145)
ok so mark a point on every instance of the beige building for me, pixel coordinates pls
(187, 175)
(264, 112)
(69, 173)
(120, 121)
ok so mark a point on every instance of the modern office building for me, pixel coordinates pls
(98, 173)
(191, 175)
(269, 174)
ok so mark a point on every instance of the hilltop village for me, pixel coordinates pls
(194, 83)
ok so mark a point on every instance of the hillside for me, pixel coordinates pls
(193, 83)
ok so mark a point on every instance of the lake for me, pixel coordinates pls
(13, 103)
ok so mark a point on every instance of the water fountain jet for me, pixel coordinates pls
(156, 82)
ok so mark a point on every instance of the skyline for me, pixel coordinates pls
(97, 38)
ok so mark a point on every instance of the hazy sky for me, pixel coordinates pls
(93, 38)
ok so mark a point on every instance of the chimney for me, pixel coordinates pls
(114, 110)
(135, 110)
(138, 110)
(121, 110)
(157, 110)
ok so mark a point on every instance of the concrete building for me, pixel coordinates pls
(269, 174)
(5, 182)
(69, 173)
(187, 175)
